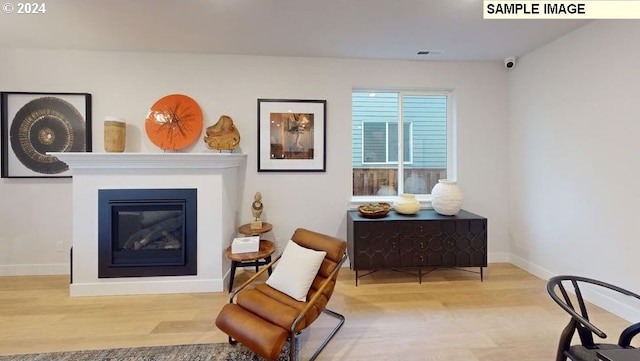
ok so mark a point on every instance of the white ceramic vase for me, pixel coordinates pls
(446, 197)
(406, 204)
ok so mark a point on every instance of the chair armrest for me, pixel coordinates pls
(252, 278)
(318, 293)
(628, 334)
(584, 322)
(557, 281)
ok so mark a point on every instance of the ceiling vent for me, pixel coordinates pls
(430, 52)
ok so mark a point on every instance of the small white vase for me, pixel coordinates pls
(446, 197)
(406, 204)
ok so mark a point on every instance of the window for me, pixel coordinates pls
(401, 141)
(380, 142)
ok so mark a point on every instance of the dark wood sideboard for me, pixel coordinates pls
(426, 240)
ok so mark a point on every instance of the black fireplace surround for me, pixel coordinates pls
(147, 232)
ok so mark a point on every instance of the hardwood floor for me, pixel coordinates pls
(450, 316)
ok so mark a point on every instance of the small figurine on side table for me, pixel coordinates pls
(256, 210)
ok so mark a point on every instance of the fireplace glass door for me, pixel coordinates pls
(147, 232)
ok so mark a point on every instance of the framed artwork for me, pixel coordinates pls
(291, 135)
(34, 124)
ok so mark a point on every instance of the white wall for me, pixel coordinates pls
(36, 213)
(574, 158)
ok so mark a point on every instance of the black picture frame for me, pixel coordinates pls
(292, 135)
(35, 123)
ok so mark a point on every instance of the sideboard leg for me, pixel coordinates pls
(481, 274)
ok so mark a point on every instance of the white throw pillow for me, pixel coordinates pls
(296, 270)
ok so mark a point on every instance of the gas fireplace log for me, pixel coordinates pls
(152, 233)
(172, 241)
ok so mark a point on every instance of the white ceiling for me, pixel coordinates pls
(381, 29)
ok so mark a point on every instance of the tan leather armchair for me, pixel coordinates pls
(264, 319)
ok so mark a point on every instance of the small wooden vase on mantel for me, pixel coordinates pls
(115, 134)
(446, 197)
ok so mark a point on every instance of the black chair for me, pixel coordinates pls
(565, 297)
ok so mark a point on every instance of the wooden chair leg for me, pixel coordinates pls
(565, 340)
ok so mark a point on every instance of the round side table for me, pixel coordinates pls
(250, 259)
(248, 231)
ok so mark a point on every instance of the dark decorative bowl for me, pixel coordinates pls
(374, 210)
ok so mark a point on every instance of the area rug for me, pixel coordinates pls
(200, 352)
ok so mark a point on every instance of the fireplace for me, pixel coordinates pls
(147, 232)
(218, 179)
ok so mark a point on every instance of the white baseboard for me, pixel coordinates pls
(532, 268)
(629, 310)
(137, 287)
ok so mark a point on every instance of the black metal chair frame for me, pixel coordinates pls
(294, 344)
(580, 319)
(256, 263)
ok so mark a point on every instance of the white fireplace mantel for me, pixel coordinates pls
(88, 160)
(217, 178)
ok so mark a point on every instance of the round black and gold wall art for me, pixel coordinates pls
(34, 124)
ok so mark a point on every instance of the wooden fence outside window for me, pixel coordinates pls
(383, 181)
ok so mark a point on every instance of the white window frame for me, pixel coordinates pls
(387, 161)
(451, 141)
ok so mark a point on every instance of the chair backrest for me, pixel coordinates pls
(583, 325)
(335, 249)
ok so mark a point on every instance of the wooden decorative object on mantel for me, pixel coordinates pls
(223, 135)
